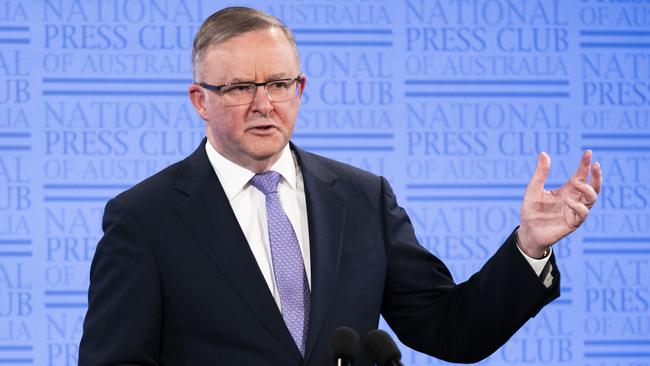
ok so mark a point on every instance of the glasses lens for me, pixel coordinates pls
(282, 90)
(236, 94)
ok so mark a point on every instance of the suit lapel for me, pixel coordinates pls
(326, 205)
(210, 218)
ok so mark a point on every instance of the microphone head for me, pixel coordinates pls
(380, 347)
(344, 343)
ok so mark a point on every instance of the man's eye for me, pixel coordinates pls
(278, 85)
(238, 88)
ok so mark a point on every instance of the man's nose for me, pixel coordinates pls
(261, 101)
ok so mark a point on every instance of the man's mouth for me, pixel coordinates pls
(262, 128)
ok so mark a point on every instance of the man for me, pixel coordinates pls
(251, 251)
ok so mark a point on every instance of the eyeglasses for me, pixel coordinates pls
(279, 90)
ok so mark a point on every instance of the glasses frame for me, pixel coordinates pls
(217, 88)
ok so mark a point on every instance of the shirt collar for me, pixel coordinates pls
(234, 178)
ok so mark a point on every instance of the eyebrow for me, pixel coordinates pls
(272, 77)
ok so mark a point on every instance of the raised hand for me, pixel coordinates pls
(548, 216)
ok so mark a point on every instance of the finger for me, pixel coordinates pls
(589, 195)
(581, 211)
(541, 172)
(583, 167)
(596, 180)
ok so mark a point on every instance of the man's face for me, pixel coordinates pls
(251, 135)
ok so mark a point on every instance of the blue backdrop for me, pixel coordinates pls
(450, 100)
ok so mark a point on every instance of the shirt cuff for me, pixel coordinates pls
(538, 266)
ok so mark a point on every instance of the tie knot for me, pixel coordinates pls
(266, 182)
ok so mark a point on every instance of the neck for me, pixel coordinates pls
(254, 165)
(257, 166)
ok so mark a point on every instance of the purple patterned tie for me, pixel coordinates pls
(288, 266)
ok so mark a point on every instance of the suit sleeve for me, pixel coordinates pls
(122, 325)
(463, 322)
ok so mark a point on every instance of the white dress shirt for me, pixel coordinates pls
(249, 205)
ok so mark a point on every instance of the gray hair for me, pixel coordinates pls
(230, 22)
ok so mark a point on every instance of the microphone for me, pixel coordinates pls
(344, 346)
(381, 348)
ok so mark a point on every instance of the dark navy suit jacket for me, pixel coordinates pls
(174, 282)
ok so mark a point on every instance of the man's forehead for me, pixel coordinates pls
(251, 53)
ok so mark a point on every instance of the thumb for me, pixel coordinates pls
(541, 172)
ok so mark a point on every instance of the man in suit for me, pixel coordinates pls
(252, 251)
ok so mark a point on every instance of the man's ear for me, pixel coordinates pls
(197, 97)
(304, 84)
